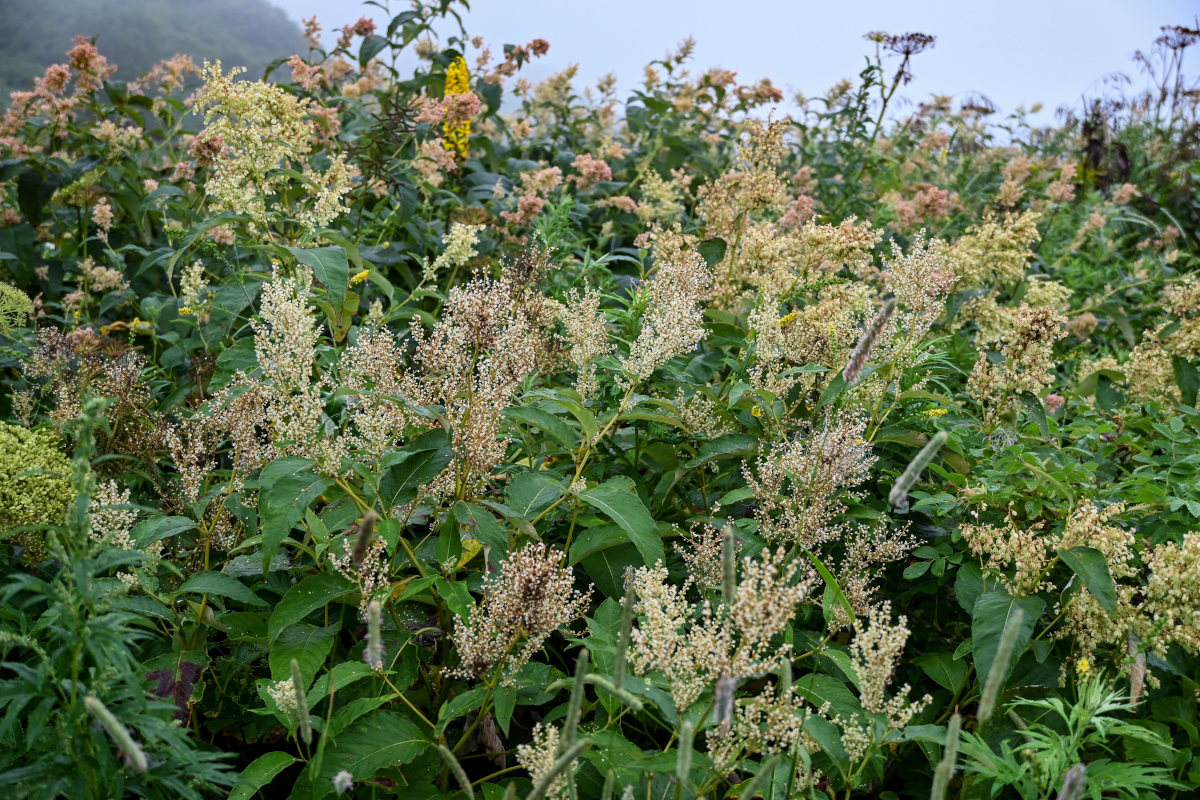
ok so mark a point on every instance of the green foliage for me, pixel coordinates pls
(645, 450)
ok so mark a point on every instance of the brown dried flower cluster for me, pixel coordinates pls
(69, 366)
(530, 597)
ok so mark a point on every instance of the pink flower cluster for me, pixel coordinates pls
(452, 108)
(591, 171)
(515, 57)
(928, 203)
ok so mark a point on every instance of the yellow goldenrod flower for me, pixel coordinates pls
(457, 134)
(935, 412)
(786, 318)
(185, 310)
(1083, 666)
(359, 277)
(756, 411)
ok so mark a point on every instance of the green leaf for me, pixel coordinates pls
(547, 422)
(374, 742)
(482, 526)
(370, 48)
(1092, 567)
(832, 590)
(1187, 377)
(260, 773)
(221, 585)
(988, 619)
(412, 467)
(288, 487)
(738, 445)
(593, 540)
(308, 644)
(529, 493)
(459, 705)
(155, 529)
(618, 499)
(606, 567)
(943, 668)
(712, 251)
(305, 597)
(970, 583)
(504, 702)
(331, 268)
(238, 357)
(341, 676)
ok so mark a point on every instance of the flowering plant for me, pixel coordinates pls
(420, 431)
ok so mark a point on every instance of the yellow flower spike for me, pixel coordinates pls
(1083, 666)
(457, 135)
(935, 412)
(359, 277)
(787, 318)
(185, 310)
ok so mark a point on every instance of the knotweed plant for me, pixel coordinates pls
(398, 425)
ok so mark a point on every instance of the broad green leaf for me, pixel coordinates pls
(943, 668)
(482, 526)
(1092, 567)
(547, 422)
(288, 487)
(374, 742)
(731, 445)
(155, 529)
(259, 773)
(970, 583)
(529, 493)
(222, 585)
(592, 540)
(617, 498)
(239, 357)
(308, 644)
(331, 268)
(988, 619)
(606, 567)
(413, 466)
(712, 251)
(305, 597)
(459, 705)
(341, 676)
(504, 702)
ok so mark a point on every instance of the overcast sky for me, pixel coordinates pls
(1014, 51)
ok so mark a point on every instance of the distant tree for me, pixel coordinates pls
(136, 34)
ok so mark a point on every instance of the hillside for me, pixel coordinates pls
(135, 34)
